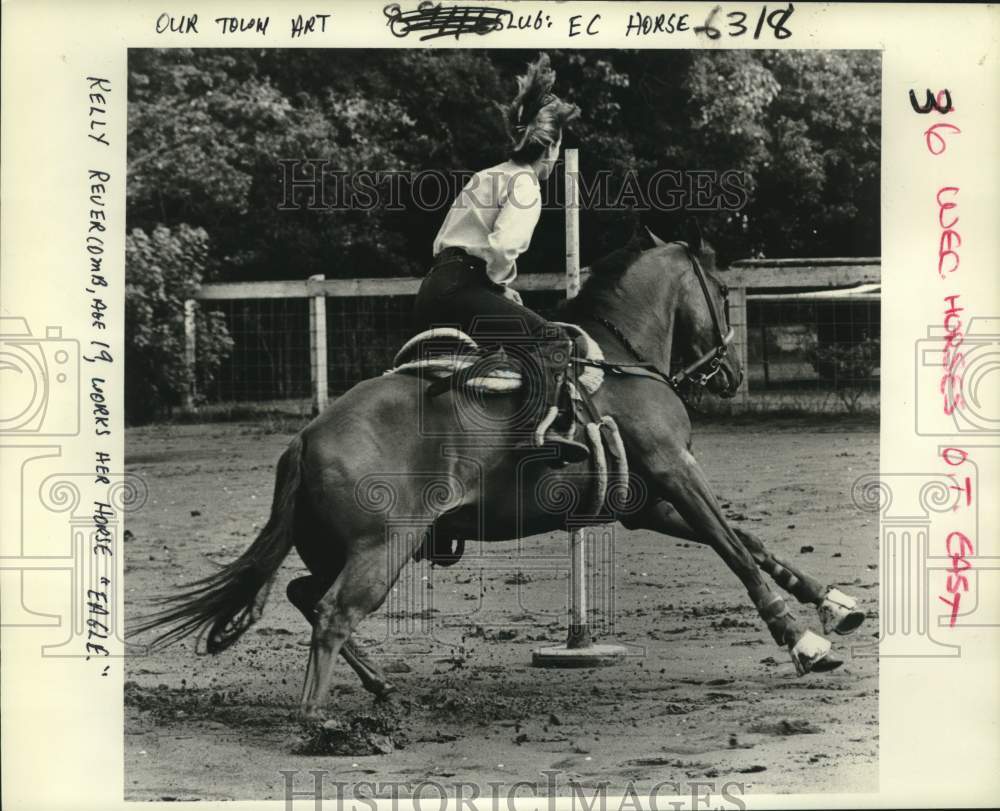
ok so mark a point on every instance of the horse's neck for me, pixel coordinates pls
(646, 321)
(649, 333)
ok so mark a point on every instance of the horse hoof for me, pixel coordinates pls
(839, 613)
(311, 714)
(809, 653)
(827, 663)
(386, 693)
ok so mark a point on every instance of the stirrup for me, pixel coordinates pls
(568, 451)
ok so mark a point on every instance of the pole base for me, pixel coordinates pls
(587, 656)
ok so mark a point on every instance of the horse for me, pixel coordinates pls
(362, 487)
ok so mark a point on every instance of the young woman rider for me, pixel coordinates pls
(488, 226)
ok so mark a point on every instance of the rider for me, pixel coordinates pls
(488, 226)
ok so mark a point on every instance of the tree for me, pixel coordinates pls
(819, 194)
(164, 269)
(208, 129)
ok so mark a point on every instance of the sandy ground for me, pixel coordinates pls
(704, 695)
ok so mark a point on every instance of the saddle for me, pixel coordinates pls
(448, 354)
(450, 358)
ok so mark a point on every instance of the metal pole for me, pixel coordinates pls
(579, 632)
(579, 650)
(572, 222)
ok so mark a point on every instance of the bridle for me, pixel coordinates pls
(695, 372)
(713, 357)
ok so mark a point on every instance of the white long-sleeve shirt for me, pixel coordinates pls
(494, 217)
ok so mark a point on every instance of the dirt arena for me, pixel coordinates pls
(705, 696)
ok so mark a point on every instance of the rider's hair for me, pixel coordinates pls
(536, 117)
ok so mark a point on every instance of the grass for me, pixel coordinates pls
(271, 417)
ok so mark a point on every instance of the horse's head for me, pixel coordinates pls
(702, 332)
(670, 306)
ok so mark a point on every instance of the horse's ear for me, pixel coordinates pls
(693, 236)
(657, 242)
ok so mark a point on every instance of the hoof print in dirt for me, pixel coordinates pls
(363, 735)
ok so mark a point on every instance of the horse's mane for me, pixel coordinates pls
(606, 272)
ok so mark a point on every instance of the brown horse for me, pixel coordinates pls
(361, 488)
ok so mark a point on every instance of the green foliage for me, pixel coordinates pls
(208, 129)
(163, 269)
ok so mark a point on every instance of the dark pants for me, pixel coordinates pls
(459, 293)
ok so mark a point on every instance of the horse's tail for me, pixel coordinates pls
(228, 602)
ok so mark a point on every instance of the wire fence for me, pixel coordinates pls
(812, 349)
(270, 359)
(815, 350)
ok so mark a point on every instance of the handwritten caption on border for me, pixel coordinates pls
(98, 602)
(937, 137)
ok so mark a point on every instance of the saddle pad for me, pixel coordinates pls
(497, 380)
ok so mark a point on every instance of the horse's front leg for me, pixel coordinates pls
(678, 478)
(837, 611)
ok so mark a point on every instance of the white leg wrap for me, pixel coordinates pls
(839, 613)
(808, 650)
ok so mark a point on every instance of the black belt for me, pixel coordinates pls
(454, 254)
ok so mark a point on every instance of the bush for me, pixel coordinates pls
(164, 268)
(851, 367)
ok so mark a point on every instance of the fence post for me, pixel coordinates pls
(738, 320)
(579, 650)
(190, 351)
(317, 346)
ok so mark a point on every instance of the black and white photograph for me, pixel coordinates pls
(515, 401)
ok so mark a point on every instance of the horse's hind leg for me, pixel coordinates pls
(304, 593)
(837, 611)
(370, 571)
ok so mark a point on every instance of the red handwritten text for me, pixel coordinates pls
(950, 240)
(957, 545)
(953, 359)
